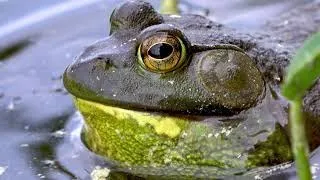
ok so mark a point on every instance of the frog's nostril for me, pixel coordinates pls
(231, 77)
(103, 64)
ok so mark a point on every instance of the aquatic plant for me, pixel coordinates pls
(302, 73)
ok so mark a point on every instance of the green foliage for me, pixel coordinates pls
(302, 73)
(303, 70)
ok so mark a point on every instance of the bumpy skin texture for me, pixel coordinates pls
(170, 146)
(110, 71)
(233, 139)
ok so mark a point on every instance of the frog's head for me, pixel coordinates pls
(149, 64)
(151, 67)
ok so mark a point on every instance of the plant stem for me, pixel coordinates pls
(299, 140)
(169, 7)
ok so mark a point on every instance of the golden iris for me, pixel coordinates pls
(161, 53)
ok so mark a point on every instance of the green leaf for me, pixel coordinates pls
(303, 69)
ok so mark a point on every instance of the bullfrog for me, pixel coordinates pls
(182, 96)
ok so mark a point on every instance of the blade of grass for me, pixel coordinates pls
(299, 142)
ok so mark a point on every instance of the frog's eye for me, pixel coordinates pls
(161, 53)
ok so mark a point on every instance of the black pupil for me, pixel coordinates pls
(160, 50)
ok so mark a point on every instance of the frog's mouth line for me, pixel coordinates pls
(163, 125)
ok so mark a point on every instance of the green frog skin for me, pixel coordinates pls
(182, 96)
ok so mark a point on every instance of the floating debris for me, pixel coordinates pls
(99, 173)
(49, 162)
(59, 133)
(3, 169)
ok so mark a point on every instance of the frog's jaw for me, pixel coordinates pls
(140, 139)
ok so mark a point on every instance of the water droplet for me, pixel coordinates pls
(24, 145)
(228, 132)
(3, 169)
(41, 176)
(277, 78)
(184, 134)
(280, 45)
(216, 135)
(171, 82)
(10, 106)
(223, 130)
(59, 133)
(257, 177)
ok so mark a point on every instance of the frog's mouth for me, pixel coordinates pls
(143, 139)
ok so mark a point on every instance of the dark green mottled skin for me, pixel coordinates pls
(107, 73)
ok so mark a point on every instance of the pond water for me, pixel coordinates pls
(39, 127)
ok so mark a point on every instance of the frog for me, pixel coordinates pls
(181, 96)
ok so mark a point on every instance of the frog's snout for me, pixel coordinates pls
(83, 75)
